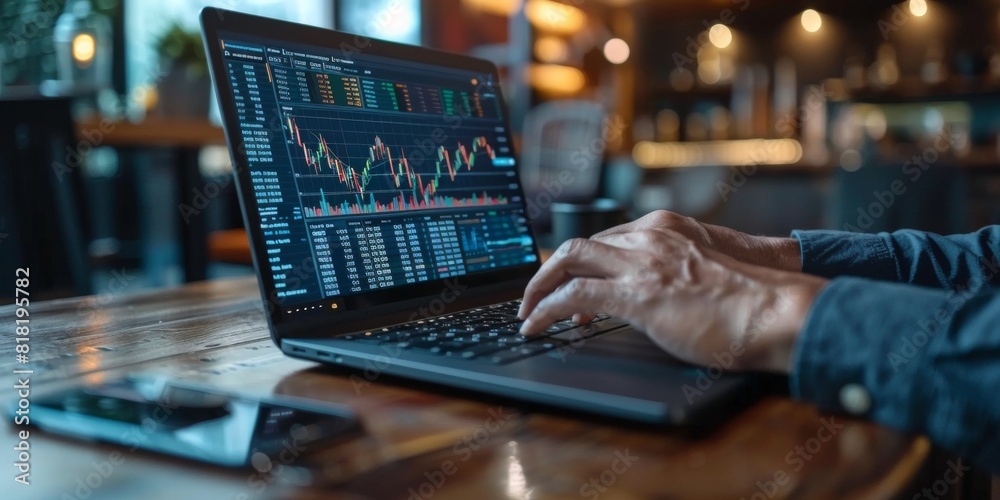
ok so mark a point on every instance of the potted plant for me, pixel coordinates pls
(185, 86)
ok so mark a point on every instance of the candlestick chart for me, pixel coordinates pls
(360, 165)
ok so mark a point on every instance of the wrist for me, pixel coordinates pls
(785, 254)
(791, 307)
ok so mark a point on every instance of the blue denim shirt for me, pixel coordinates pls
(907, 333)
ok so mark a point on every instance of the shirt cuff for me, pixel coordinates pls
(838, 253)
(863, 348)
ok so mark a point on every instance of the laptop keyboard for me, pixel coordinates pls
(487, 334)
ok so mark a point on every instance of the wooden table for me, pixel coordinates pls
(156, 132)
(215, 332)
(185, 137)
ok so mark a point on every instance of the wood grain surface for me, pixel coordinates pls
(427, 443)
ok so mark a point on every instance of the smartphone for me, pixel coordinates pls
(190, 420)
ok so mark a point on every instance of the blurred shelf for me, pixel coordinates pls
(981, 160)
(802, 168)
(795, 168)
(913, 89)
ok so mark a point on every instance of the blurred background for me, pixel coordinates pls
(762, 115)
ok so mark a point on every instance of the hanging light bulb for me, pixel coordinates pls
(82, 38)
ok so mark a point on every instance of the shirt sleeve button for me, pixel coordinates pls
(855, 399)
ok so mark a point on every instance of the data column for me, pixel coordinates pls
(289, 257)
(442, 237)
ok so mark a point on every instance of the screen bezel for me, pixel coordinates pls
(371, 309)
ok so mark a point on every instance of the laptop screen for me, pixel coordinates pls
(373, 173)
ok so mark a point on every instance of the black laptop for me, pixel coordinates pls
(380, 190)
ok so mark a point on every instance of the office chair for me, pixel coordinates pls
(562, 151)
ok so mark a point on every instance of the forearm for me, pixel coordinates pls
(952, 262)
(911, 358)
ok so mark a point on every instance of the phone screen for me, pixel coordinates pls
(191, 421)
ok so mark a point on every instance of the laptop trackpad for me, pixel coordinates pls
(625, 343)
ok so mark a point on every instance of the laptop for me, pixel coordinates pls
(388, 225)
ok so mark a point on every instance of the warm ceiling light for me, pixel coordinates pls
(918, 7)
(556, 79)
(555, 17)
(616, 51)
(83, 49)
(498, 7)
(720, 36)
(811, 20)
(551, 49)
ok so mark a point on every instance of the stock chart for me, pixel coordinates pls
(354, 163)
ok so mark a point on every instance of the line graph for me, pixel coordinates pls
(347, 165)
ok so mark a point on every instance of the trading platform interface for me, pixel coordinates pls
(371, 173)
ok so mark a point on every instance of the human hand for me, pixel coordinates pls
(691, 301)
(776, 253)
